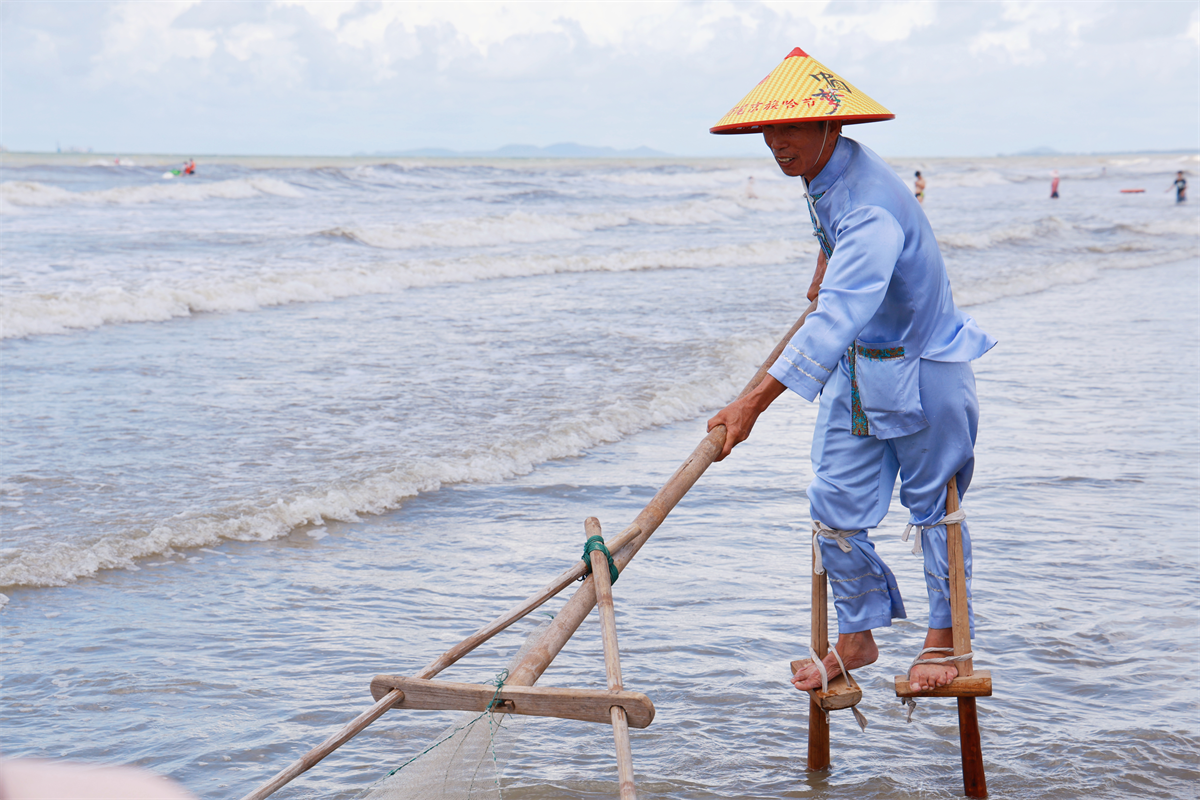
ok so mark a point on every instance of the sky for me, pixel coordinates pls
(296, 77)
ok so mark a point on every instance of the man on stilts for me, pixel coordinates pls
(886, 349)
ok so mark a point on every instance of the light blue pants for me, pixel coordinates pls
(853, 484)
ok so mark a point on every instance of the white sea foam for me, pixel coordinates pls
(31, 193)
(62, 562)
(986, 239)
(1156, 164)
(40, 313)
(972, 179)
(691, 179)
(525, 227)
(1047, 227)
(1065, 273)
(1165, 227)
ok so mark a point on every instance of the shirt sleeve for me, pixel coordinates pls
(867, 244)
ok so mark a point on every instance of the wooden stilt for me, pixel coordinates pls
(818, 737)
(974, 781)
(818, 722)
(977, 685)
(960, 619)
(612, 663)
(970, 683)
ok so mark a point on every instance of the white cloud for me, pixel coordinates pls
(484, 24)
(306, 76)
(1056, 22)
(140, 38)
(879, 21)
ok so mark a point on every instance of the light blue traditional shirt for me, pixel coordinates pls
(885, 291)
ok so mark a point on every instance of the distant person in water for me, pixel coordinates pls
(919, 188)
(190, 167)
(750, 188)
(1180, 187)
(1054, 184)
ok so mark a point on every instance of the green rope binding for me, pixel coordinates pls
(597, 543)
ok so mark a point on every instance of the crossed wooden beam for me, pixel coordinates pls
(616, 706)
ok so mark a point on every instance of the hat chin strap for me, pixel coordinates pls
(820, 153)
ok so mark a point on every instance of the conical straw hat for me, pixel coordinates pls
(800, 89)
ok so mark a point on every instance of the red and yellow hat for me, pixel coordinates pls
(800, 89)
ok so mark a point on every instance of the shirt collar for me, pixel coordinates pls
(833, 168)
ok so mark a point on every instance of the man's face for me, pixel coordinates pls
(797, 145)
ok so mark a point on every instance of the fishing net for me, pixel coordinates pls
(466, 760)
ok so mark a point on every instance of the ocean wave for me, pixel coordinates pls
(1157, 164)
(43, 313)
(1159, 227)
(60, 563)
(1064, 273)
(1051, 226)
(31, 193)
(972, 179)
(522, 227)
(986, 239)
(690, 179)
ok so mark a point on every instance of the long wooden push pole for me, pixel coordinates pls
(569, 618)
(575, 611)
(974, 780)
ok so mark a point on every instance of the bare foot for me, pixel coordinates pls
(856, 649)
(923, 677)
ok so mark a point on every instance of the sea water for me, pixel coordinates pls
(281, 426)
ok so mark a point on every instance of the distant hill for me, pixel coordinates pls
(562, 150)
(1050, 151)
(1040, 151)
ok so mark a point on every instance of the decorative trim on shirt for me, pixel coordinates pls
(858, 418)
(818, 231)
(881, 354)
(809, 359)
(800, 369)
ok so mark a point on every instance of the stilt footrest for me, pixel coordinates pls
(841, 694)
(587, 705)
(977, 685)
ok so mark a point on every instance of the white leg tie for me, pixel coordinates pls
(910, 701)
(821, 529)
(821, 667)
(959, 516)
(860, 718)
(858, 715)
